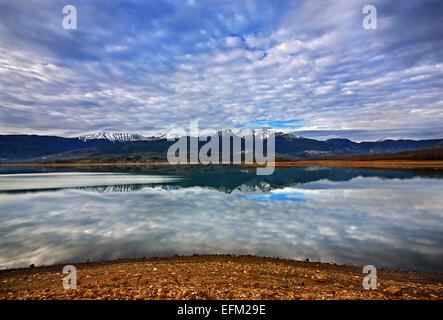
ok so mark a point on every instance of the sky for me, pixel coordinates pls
(150, 67)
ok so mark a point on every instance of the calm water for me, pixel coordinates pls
(391, 219)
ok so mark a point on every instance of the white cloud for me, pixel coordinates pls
(173, 63)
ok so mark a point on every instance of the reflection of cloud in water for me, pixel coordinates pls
(387, 223)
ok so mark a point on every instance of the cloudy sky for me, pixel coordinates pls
(152, 66)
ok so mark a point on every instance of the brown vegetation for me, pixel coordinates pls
(295, 163)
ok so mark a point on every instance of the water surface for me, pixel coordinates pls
(391, 219)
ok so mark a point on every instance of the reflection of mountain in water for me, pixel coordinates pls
(126, 188)
(117, 188)
(228, 178)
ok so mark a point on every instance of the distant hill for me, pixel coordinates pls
(117, 149)
(424, 154)
(127, 158)
(302, 148)
(50, 148)
(26, 147)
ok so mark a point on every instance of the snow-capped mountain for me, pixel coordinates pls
(22, 147)
(245, 132)
(165, 136)
(125, 137)
(115, 137)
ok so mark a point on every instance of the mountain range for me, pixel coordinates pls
(113, 137)
(15, 148)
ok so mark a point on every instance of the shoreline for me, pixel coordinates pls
(298, 163)
(216, 277)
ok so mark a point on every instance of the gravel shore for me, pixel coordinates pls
(215, 277)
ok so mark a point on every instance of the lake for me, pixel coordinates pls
(388, 218)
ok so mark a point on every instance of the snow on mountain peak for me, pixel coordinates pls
(125, 137)
(114, 136)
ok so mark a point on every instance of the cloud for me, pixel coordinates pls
(150, 67)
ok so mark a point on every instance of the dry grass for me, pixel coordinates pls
(297, 163)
